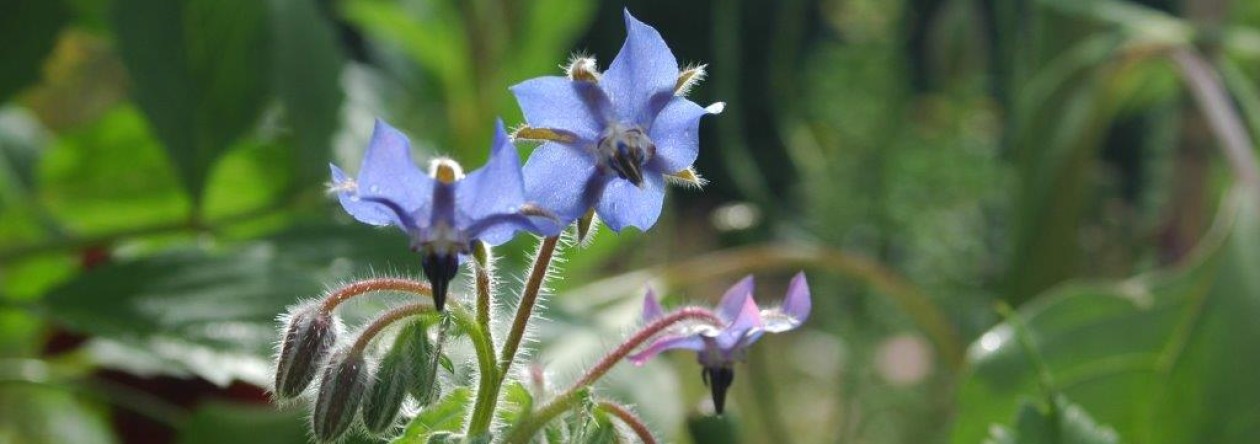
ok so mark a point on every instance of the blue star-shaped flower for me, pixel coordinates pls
(446, 212)
(615, 136)
(719, 348)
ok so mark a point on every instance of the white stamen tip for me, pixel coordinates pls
(716, 108)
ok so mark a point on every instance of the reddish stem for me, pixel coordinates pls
(643, 335)
(370, 285)
(630, 419)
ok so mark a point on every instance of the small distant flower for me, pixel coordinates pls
(718, 349)
(443, 212)
(612, 139)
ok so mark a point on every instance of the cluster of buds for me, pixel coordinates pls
(348, 381)
(609, 142)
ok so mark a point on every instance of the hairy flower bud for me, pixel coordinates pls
(407, 362)
(307, 339)
(340, 394)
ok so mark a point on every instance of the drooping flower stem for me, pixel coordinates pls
(529, 296)
(630, 419)
(566, 400)
(391, 316)
(371, 285)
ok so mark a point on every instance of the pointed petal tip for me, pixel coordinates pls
(732, 303)
(652, 309)
(797, 303)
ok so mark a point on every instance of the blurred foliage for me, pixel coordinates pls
(162, 165)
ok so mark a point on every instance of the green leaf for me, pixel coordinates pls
(224, 422)
(447, 415)
(199, 71)
(212, 313)
(307, 70)
(29, 29)
(1066, 423)
(110, 175)
(516, 400)
(1139, 352)
(47, 415)
(219, 422)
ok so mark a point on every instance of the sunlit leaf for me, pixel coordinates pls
(446, 415)
(199, 72)
(1138, 353)
(1068, 423)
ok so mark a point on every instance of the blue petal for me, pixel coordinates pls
(744, 329)
(797, 302)
(625, 205)
(559, 103)
(388, 173)
(643, 74)
(676, 133)
(735, 298)
(498, 229)
(497, 187)
(558, 177)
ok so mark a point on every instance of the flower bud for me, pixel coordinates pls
(408, 361)
(419, 349)
(310, 334)
(340, 393)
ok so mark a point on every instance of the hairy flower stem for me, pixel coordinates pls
(489, 380)
(492, 377)
(386, 319)
(526, 429)
(371, 285)
(483, 276)
(529, 296)
(630, 419)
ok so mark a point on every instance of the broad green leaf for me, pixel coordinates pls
(223, 422)
(212, 313)
(1035, 424)
(447, 415)
(29, 29)
(307, 71)
(199, 72)
(110, 175)
(1168, 357)
(49, 415)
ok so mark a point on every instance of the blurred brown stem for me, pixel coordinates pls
(1226, 125)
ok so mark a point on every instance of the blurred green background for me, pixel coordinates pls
(1023, 221)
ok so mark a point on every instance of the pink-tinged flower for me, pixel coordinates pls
(718, 349)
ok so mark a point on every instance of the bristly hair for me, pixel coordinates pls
(689, 77)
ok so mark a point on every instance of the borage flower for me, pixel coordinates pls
(613, 138)
(443, 212)
(718, 349)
